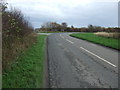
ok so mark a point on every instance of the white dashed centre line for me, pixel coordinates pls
(99, 57)
(66, 39)
(70, 41)
(61, 36)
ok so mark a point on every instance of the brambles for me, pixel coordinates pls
(17, 34)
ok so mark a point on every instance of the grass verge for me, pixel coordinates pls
(108, 42)
(27, 70)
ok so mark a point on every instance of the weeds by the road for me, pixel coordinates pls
(109, 42)
(27, 70)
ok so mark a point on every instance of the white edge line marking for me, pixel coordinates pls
(69, 41)
(99, 57)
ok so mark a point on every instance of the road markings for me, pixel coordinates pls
(99, 57)
(66, 39)
(61, 36)
(69, 41)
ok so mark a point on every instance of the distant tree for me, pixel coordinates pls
(64, 26)
(51, 26)
(72, 26)
(91, 28)
(46, 26)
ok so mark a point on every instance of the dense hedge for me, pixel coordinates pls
(17, 34)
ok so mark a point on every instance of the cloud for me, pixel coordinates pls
(75, 12)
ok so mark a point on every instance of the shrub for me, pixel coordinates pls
(17, 35)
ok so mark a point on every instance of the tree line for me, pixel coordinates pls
(53, 26)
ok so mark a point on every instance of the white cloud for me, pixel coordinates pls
(75, 12)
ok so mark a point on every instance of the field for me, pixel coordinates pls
(27, 70)
(108, 42)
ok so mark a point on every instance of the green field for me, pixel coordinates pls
(109, 42)
(27, 70)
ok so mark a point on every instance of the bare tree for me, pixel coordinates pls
(64, 26)
(51, 26)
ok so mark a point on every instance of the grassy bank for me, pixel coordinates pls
(109, 42)
(27, 70)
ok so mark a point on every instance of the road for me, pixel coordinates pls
(75, 63)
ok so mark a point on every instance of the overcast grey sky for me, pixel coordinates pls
(78, 13)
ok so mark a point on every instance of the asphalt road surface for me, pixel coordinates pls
(75, 63)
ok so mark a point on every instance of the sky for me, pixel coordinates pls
(79, 13)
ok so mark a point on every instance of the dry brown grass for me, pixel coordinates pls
(111, 35)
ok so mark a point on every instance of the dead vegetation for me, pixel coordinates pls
(109, 35)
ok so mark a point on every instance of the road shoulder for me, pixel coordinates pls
(46, 75)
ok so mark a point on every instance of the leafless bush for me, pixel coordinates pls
(17, 35)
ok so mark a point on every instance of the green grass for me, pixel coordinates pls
(109, 42)
(27, 70)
